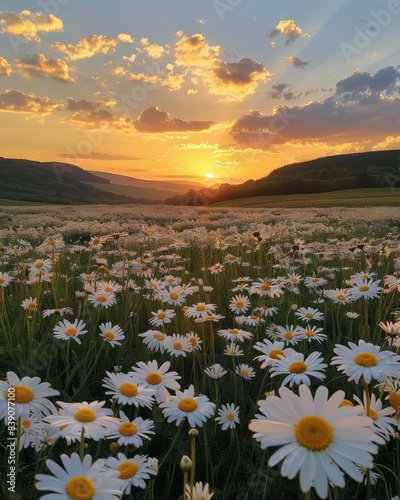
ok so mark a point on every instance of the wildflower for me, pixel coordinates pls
(314, 282)
(299, 369)
(312, 333)
(200, 310)
(32, 431)
(272, 352)
(216, 268)
(111, 334)
(51, 244)
(130, 432)
(108, 287)
(308, 313)
(26, 395)
(128, 390)
(368, 289)
(5, 279)
(290, 334)
(228, 416)
(185, 405)
(174, 295)
(234, 334)
(215, 371)
(177, 345)
(102, 299)
(239, 304)
(264, 288)
(352, 315)
(66, 330)
(382, 421)
(339, 295)
(366, 360)
(158, 378)
(233, 350)
(245, 371)
(199, 492)
(161, 317)
(211, 318)
(132, 471)
(232, 259)
(91, 418)
(61, 311)
(30, 304)
(79, 480)
(320, 438)
(40, 265)
(195, 340)
(154, 339)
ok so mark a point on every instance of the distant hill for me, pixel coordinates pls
(375, 169)
(53, 182)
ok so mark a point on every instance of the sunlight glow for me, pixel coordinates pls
(209, 175)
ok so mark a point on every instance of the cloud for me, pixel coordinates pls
(297, 63)
(98, 155)
(89, 114)
(152, 50)
(91, 45)
(39, 65)
(232, 80)
(369, 117)
(5, 68)
(288, 28)
(161, 76)
(28, 24)
(280, 91)
(18, 102)
(154, 120)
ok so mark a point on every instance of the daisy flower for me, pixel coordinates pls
(199, 492)
(314, 282)
(185, 405)
(233, 350)
(383, 423)
(200, 310)
(320, 439)
(175, 296)
(272, 352)
(75, 418)
(102, 299)
(25, 395)
(232, 259)
(111, 334)
(178, 345)
(128, 390)
(366, 360)
(158, 378)
(130, 432)
(32, 431)
(108, 287)
(290, 334)
(239, 304)
(66, 330)
(5, 279)
(228, 416)
(308, 313)
(194, 340)
(78, 480)
(30, 304)
(215, 371)
(234, 334)
(339, 295)
(312, 333)
(245, 371)
(264, 288)
(365, 288)
(132, 471)
(299, 369)
(61, 311)
(40, 265)
(216, 268)
(161, 317)
(352, 315)
(211, 317)
(154, 339)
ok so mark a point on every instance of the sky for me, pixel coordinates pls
(203, 91)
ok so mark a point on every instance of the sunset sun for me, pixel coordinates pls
(209, 176)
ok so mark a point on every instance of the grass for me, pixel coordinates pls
(350, 198)
(134, 192)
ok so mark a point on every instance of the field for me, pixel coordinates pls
(149, 349)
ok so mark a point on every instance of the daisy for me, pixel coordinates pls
(312, 333)
(228, 416)
(127, 389)
(366, 360)
(78, 480)
(199, 492)
(211, 317)
(272, 352)
(132, 471)
(32, 431)
(200, 310)
(215, 371)
(172, 280)
(339, 295)
(40, 265)
(299, 369)
(158, 378)
(382, 421)
(234, 334)
(154, 339)
(130, 432)
(264, 288)
(253, 320)
(308, 314)
(320, 439)
(233, 350)
(111, 334)
(178, 345)
(25, 395)
(161, 317)
(245, 371)
(175, 296)
(216, 268)
(352, 315)
(290, 334)
(232, 259)
(51, 244)
(185, 405)
(102, 299)
(66, 330)
(5, 279)
(62, 311)
(30, 304)
(314, 282)
(391, 282)
(239, 304)
(75, 418)
(195, 341)
(108, 287)
(368, 289)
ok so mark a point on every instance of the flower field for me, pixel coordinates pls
(162, 353)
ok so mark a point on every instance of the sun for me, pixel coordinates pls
(209, 176)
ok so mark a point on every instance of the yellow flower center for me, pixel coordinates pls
(373, 414)
(85, 415)
(127, 470)
(108, 335)
(70, 331)
(275, 353)
(96, 241)
(21, 394)
(145, 268)
(230, 417)
(309, 333)
(221, 244)
(193, 341)
(294, 280)
(288, 335)
(313, 432)
(315, 280)
(153, 378)
(101, 298)
(346, 402)
(187, 405)
(2, 280)
(108, 289)
(297, 367)
(231, 257)
(38, 265)
(26, 424)
(31, 306)
(341, 296)
(161, 316)
(394, 400)
(173, 296)
(265, 287)
(234, 331)
(127, 389)
(239, 304)
(366, 359)
(158, 336)
(80, 488)
(363, 288)
(200, 307)
(127, 429)
(51, 242)
(309, 315)
(177, 346)
(245, 373)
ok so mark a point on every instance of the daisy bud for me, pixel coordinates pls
(114, 447)
(193, 433)
(186, 463)
(396, 436)
(152, 464)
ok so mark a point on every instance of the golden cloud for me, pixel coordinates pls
(152, 50)
(154, 120)
(5, 68)
(28, 24)
(41, 66)
(288, 28)
(18, 102)
(91, 45)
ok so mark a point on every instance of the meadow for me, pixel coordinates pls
(165, 352)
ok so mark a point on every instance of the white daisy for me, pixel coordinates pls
(365, 288)
(299, 369)
(128, 390)
(383, 423)
(111, 334)
(158, 378)
(228, 416)
(234, 334)
(177, 345)
(102, 299)
(161, 317)
(272, 352)
(66, 330)
(245, 371)
(154, 339)
(308, 314)
(130, 431)
(233, 350)
(239, 304)
(199, 492)
(132, 471)
(215, 371)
